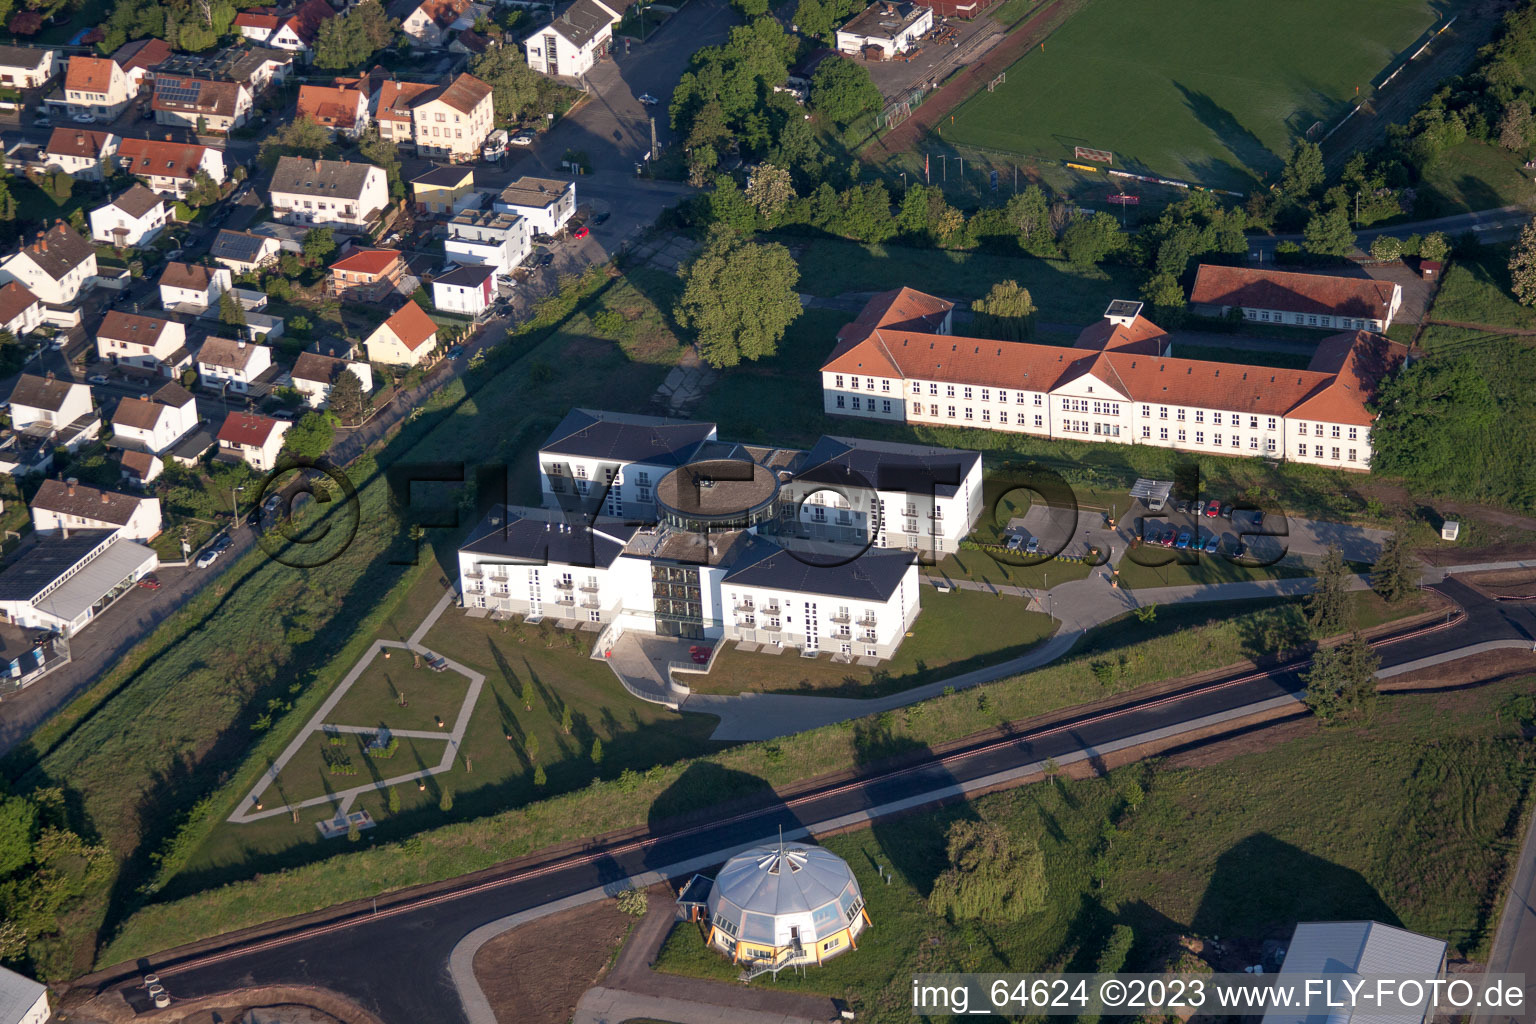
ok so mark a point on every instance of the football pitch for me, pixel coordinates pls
(1209, 91)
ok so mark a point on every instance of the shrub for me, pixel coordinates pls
(634, 902)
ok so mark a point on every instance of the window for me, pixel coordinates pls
(1162, 412)
(856, 402)
(933, 411)
(986, 394)
(1301, 449)
(1039, 421)
(1352, 456)
(986, 415)
(1181, 415)
(933, 389)
(1354, 433)
(1146, 410)
(967, 412)
(1271, 423)
(1002, 396)
(1039, 400)
(1253, 422)
(949, 391)
(1200, 416)
(1253, 443)
(1217, 440)
(885, 385)
(1200, 437)
(951, 412)
(855, 384)
(840, 401)
(1269, 444)
(917, 408)
(885, 405)
(1318, 450)
(838, 381)
(1335, 432)
(967, 394)
(1182, 436)
(1317, 429)
(1335, 455)
(1002, 417)
(1162, 433)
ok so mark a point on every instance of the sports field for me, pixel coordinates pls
(1209, 91)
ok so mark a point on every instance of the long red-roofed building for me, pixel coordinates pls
(1324, 301)
(1120, 382)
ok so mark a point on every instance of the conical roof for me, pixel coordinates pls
(791, 878)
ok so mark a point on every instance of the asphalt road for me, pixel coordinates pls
(1489, 225)
(395, 964)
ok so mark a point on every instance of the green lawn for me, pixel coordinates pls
(309, 774)
(1173, 568)
(1208, 91)
(1410, 819)
(1063, 293)
(983, 568)
(955, 633)
(1473, 176)
(1477, 290)
(393, 692)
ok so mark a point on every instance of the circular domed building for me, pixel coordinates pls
(783, 905)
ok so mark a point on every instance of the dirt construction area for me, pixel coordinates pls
(534, 973)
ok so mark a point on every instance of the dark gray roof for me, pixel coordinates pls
(873, 576)
(444, 176)
(887, 465)
(580, 22)
(59, 250)
(29, 57)
(301, 176)
(41, 392)
(586, 433)
(539, 535)
(535, 193)
(137, 201)
(471, 276)
(241, 246)
(46, 561)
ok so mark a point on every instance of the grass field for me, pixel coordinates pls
(1477, 290)
(1208, 91)
(1410, 819)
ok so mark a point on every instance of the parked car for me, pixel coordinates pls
(84, 119)
(523, 138)
(1213, 510)
(455, 352)
(272, 505)
(1182, 506)
(580, 232)
(98, 378)
(1183, 542)
(42, 121)
(222, 545)
(1227, 509)
(1033, 547)
(1015, 541)
(648, 99)
(601, 218)
(1149, 533)
(207, 558)
(283, 414)
(1198, 508)
(150, 582)
(544, 259)
(1169, 537)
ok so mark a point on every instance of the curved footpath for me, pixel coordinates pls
(412, 959)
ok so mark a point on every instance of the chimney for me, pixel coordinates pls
(143, 398)
(69, 486)
(240, 343)
(105, 500)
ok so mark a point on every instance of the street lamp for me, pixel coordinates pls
(234, 503)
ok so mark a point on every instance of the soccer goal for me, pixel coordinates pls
(1101, 156)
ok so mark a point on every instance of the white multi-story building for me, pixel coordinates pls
(154, 423)
(193, 286)
(500, 241)
(96, 86)
(133, 219)
(574, 40)
(230, 365)
(56, 267)
(1326, 302)
(21, 312)
(451, 121)
(898, 363)
(469, 289)
(79, 152)
(148, 342)
(170, 167)
(339, 194)
(737, 549)
(546, 203)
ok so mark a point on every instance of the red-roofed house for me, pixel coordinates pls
(337, 108)
(169, 167)
(1323, 301)
(367, 275)
(97, 86)
(897, 363)
(392, 112)
(285, 28)
(428, 22)
(253, 439)
(139, 57)
(79, 152)
(405, 339)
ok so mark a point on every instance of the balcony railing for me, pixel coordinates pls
(588, 588)
(842, 634)
(770, 628)
(745, 606)
(591, 602)
(868, 621)
(842, 617)
(563, 584)
(567, 601)
(474, 575)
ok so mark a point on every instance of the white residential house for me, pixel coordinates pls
(255, 440)
(429, 23)
(193, 286)
(138, 59)
(314, 375)
(49, 402)
(170, 167)
(57, 266)
(79, 152)
(500, 241)
(154, 423)
(25, 1001)
(96, 86)
(223, 364)
(133, 219)
(580, 33)
(470, 289)
(890, 26)
(193, 101)
(21, 312)
(243, 251)
(546, 203)
(407, 338)
(62, 506)
(451, 121)
(147, 342)
(27, 67)
(287, 29)
(339, 194)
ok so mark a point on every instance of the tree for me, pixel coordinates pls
(204, 190)
(346, 399)
(770, 190)
(514, 85)
(1342, 679)
(1007, 311)
(1522, 266)
(299, 137)
(528, 696)
(1087, 240)
(565, 719)
(376, 149)
(1303, 171)
(445, 802)
(1328, 604)
(842, 90)
(1434, 247)
(751, 8)
(394, 800)
(813, 19)
(1396, 573)
(1029, 213)
(7, 202)
(992, 874)
(1515, 127)
(1329, 234)
(597, 750)
(539, 778)
(1385, 247)
(739, 297)
(230, 310)
(18, 833)
(1164, 292)
(318, 244)
(348, 41)
(311, 436)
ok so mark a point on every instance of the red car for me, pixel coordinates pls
(580, 232)
(1213, 509)
(150, 582)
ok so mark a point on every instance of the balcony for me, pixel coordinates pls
(771, 628)
(474, 575)
(591, 602)
(746, 621)
(567, 601)
(563, 584)
(842, 634)
(589, 588)
(867, 621)
(745, 606)
(842, 617)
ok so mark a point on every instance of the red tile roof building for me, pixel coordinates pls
(1120, 383)
(335, 107)
(367, 275)
(1310, 300)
